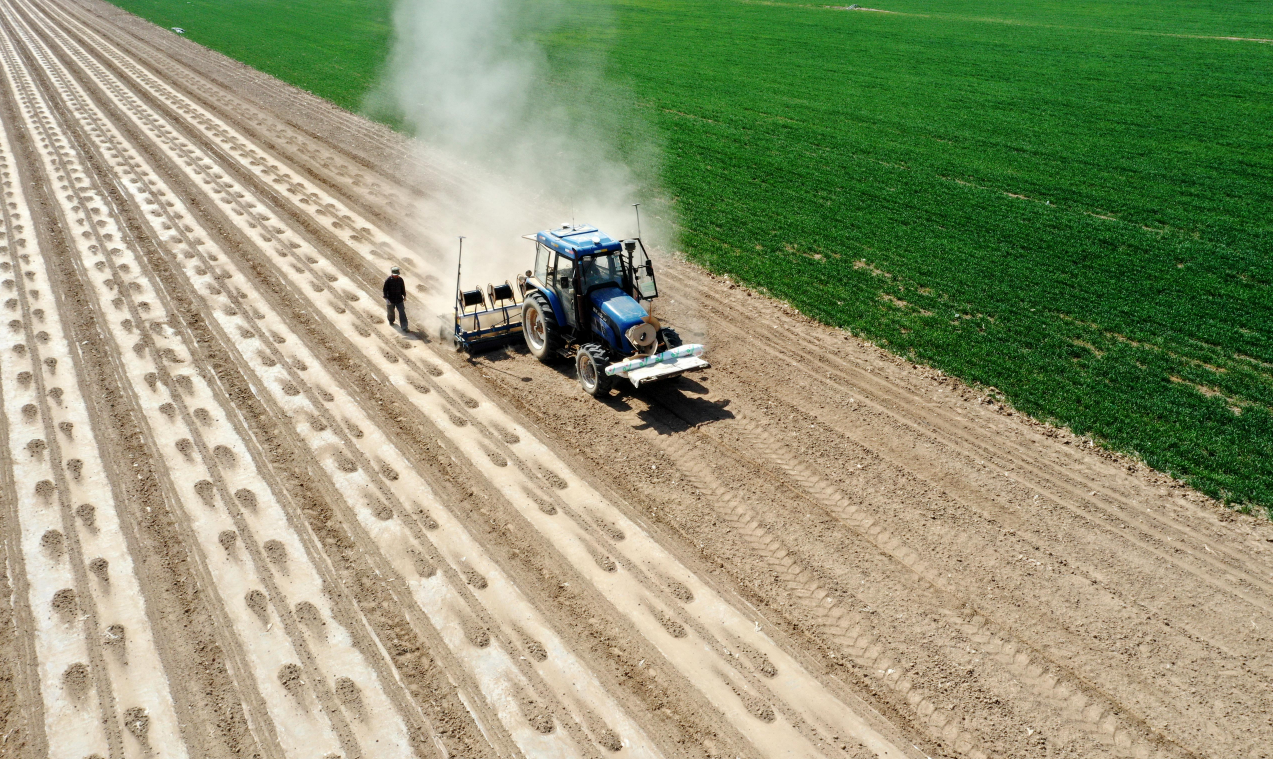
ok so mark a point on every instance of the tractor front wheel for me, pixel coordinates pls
(591, 361)
(539, 327)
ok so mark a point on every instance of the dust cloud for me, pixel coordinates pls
(527, 134)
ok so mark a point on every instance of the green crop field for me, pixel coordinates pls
(1069, 201)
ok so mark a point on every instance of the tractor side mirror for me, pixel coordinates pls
(649, 268)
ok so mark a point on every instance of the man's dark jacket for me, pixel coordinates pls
(395, 289)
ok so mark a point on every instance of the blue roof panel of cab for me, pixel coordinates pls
(578, 241)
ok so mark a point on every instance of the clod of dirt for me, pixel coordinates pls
(534, 648)
(184, 383)
(674, 628)
(205, 490)
(66, 604)
(259, 605)
(278, 338)
(476, 633)
(246, 498)
(67, 428)
(36, 447)
(38, 314)
(426, 518)
(289, 676)
(170, 355)
(227, 539)
(419, 386)
(42, 337)
(456, 419)
(138, 723)
(53, 543)
(115, 641)
(326, 396)
(609, 739)
(350, 696)
(267, 359)
(276, 552)
(610, 529)
(168, 410)
(101, 569)
(50, 363)
(24, 379)
(225, 456)
(30, 412)
(312, 618)
(75, 681)
(20, 349)
(757, 706)
(202, 416)
(388, 472)
(354, 429)
(87, 514)
(291, 389)
(44, 489)
(474, 578)
(152, 380)
(344, 463)
(434, 371)
(56, 394)
(679, 591)
(75, 467)
(535, 712)
(423, 566)
(381, 510)
(553, 479)
(542, 503)
(299, 365)
(186, 447)
(497, 458)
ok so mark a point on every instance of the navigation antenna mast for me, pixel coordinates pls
(459, 260)
(637, 208)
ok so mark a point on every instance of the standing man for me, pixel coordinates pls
(395, 295)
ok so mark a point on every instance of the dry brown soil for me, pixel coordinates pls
(243, 516)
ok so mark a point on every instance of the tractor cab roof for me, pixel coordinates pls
(578, 242)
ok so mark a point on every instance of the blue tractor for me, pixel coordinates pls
(589, 298)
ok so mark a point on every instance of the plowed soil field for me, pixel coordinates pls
(243, 516)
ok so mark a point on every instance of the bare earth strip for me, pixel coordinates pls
(814, 549)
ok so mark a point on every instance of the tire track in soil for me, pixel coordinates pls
(236, 307)
(897, 452)
(326, 276)
(133, 307)
(1065, 487)
(1071, 700)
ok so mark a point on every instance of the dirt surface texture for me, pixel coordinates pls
(242, 516)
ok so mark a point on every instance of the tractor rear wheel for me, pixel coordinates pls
(540, 328)
(591, 361)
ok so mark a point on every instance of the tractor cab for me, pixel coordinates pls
(591, 296)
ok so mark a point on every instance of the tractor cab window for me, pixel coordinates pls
(563, 281)
(542, 256)
(602, 270)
